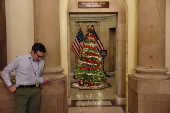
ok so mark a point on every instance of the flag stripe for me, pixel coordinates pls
(75, 51)
(76, 46)
(99, 44)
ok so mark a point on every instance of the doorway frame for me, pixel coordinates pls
(131, 34)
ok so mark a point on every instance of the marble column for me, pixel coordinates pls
(148, 87)
(47, 31)
(151, 40)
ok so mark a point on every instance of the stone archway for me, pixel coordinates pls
(64, 14)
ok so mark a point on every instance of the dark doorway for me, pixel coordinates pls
(3, 52)
(112, 49)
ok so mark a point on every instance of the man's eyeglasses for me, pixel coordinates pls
(39, 56)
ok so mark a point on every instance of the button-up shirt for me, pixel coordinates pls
(27, 71)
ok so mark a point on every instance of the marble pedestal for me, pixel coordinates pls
(148, 96)
(52, 100)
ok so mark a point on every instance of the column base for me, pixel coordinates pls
(148, 96)
(153, 74)
(54, 95)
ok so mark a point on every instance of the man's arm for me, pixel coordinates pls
(6, 74)
(46, 81)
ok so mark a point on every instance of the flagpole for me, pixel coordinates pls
(80, 25)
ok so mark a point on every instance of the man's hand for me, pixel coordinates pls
(12, 89)
(46, 81)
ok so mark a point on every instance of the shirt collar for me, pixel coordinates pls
(29, 56)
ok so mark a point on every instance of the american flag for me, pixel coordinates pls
(99, 44)
(78, 44)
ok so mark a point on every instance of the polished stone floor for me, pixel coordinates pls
(94, 101)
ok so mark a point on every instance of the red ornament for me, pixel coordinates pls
(80, 83)
(92, 83)
(75, 60)
(75, 76)
(89, 84)
(90, 31)
(105, 80)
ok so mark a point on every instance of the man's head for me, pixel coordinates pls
(38, 51)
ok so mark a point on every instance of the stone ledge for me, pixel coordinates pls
(151, 76)
(54, 76)
(162, 70)
(51, 76)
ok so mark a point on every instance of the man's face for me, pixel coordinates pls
(37, 56)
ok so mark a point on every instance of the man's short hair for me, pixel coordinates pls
(38, 47)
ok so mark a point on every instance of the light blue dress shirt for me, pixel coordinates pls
(25, 69)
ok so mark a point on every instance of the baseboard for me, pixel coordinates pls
(69, 102)
(120, 101)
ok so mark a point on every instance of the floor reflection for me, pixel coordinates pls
(94, 101)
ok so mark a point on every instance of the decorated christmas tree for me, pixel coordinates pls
(89, 70)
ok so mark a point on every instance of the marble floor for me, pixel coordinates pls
(94, 101)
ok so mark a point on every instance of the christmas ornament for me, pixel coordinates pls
(92, 83)
(75, 77)
(105, 80)
(80, 83)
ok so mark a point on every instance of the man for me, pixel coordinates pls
(28, 69)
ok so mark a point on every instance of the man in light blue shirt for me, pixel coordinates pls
(28, 69)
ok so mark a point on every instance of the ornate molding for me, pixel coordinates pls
(162, 70)
(48, 70)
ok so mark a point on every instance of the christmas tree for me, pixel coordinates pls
(89, 70)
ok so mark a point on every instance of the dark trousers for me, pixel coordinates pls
(27, 100)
